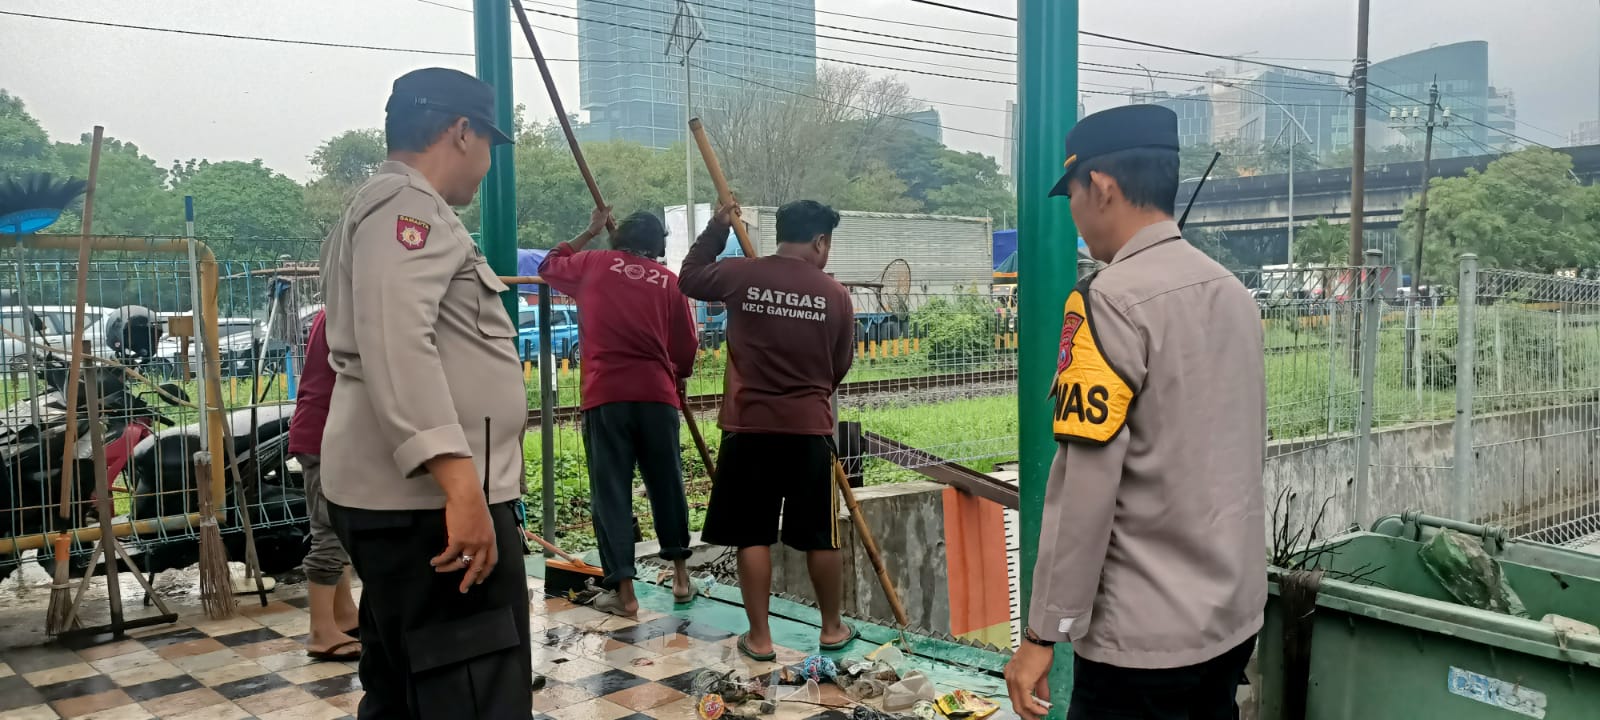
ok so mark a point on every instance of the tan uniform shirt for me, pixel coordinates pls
(422, 348)
(1152, 551)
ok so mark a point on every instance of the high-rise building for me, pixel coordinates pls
(633, 88)
(1588, 133)
(925, 123)
(1401, 84)
(1502, 111)
(1193, 108)
(1255, 108)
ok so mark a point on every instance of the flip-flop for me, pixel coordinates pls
(836, 647)
(693, 591)
(744, 647)
(332, 654)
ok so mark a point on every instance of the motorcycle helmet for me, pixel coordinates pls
(133, 331)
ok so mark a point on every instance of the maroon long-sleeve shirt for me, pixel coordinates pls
(637, 335)
(791, 336)
(312, 394)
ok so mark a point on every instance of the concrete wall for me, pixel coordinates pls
(907, 520)
(1529, 465)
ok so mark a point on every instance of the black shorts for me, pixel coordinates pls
(1204, 691)
(761, 477)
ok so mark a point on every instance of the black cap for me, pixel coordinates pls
(448, 91)
(1120, 128)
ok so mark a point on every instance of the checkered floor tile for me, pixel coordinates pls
(597, 667)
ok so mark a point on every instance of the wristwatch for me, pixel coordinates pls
(1033, 637)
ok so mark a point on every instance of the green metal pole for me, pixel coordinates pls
(1047, 244)
(491, 33)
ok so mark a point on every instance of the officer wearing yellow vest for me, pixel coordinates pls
(1152, 557)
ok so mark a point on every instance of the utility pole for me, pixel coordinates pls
(1403, 121)
(1358, 166)
(686, 33)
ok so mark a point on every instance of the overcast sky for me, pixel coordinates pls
(183, 96)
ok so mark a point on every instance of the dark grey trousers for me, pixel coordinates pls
(618, 437)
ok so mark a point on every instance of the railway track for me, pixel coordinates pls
(708, 403)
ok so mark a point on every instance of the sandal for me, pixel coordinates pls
(836, 647)
(332, 654)
(611, 603)
(686, 597)
(744, 647)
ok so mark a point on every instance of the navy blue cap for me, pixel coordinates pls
(448, 91)
(1120, 128)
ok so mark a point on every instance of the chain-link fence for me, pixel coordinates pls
(1535, 410)
(138, 319)
(939, 375)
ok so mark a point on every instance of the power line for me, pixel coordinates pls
(794, 92)
(280, 41)
(773, 51)
(812, 34)
(1466, 118)
(970, 11)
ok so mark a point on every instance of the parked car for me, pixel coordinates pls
(563, 332)
(53, 327)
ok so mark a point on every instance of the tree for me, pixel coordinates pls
(777, 147)
(1322, 243)
(1523, 212)
(343, 162)
(1345, 157)
(1212, 243)
(24, 145)
(350, 157)
(237, 204)
(971, 186)
(131, 193)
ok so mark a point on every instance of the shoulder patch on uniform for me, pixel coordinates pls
(411, 232)
(1091, 399)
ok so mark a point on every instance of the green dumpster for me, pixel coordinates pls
(1394, 645)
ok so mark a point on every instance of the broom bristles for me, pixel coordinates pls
(56, 618)
(216, 584)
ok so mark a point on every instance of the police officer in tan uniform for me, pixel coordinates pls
(422, 452)
(1152, 554)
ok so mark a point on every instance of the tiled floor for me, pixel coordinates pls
(598, 667)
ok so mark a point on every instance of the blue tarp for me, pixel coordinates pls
(1005, 243)
(528, 261)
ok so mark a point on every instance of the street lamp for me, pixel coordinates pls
(1290, 249)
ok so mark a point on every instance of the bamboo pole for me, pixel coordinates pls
(724, 197)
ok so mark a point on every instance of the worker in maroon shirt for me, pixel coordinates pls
(333, 611)
(637, 344)
(790, 342)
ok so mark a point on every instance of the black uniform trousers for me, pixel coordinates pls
(427, 650)
(618, 437)
(1204, 691)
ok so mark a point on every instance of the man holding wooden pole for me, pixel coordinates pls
(637, 345)
(791, 339)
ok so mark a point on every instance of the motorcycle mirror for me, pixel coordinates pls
(175, 390)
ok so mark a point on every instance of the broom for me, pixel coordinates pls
(216, 584)
(60, 615)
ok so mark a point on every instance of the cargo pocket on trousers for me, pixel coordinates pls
(459, 668)
(492, 318)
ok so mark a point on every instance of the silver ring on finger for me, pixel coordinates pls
(466, 559)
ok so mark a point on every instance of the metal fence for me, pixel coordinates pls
(137, 304)
(939, 375)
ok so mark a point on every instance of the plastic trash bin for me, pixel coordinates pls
(1395, 645)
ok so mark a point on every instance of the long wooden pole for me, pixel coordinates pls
(561, 114)
(583, 165)
(75, 365)
(725, 196)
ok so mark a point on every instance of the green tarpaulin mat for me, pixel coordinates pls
(1469, 574)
